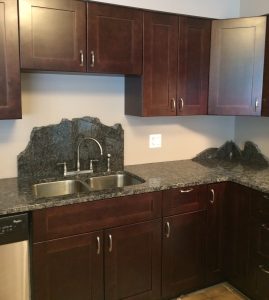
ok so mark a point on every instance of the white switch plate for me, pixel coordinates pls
(155, 141)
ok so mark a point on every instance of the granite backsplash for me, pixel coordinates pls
(53, 144)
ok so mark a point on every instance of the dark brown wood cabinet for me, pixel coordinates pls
(69, 260)
(175, 75)
(10, 89)
(236, 236)
(214, 232)
(133, 261)
(237, 66)
(53, 35)
(114, 39)
(69, 268)
(183, 257)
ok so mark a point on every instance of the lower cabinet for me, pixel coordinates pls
(183, 253)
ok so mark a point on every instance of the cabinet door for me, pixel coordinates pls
(10, 93)
(160, 64)
(214, 236)
(69, 268)
(114, 39)
(236, 235)
(236, 68)
(183, 253)
(53, 35)
(133, 262)
(193, 60)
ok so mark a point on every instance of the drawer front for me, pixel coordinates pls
(261, 272)
(260, 206)
(183, 200)
(262, 239)
(56, 222)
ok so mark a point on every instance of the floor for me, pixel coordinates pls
(223, 291)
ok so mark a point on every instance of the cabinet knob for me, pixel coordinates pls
(181, 106)
(92, 59)
(98, 245)
(168, 229)
(212, 200)
(173, 104)
(186, 191)
(110, 241)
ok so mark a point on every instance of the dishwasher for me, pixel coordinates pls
(14, 258)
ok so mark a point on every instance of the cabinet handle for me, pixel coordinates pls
(212, 200)
(256, 104)
(173, 104)
(265, 226)
(266, 197)
(98, 245)
(81, 58)
(110, 247)
(92, 59)
(182, 103)
(186, 191)
(263, 269)
(168, 229)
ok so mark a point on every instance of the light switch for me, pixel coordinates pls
(155, 141)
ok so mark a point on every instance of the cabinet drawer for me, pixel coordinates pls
(261, 272)
(262, 239)
(260, 206)
(79, 218)
(184, 200)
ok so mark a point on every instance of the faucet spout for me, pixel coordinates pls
(78, 150)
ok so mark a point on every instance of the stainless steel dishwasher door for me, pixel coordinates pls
(14, 260)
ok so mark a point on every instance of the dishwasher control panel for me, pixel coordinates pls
(13, 228)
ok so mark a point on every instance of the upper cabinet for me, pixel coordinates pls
(114, 39)
(10, 90)
(53, 35)
(237, 66)
(175, 74)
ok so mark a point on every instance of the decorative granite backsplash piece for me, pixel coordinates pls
(53, 144)
(229, 152)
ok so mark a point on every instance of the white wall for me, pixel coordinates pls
(48, 98)
(253, 128)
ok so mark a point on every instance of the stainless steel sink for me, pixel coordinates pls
(117, 180)
(59, 188)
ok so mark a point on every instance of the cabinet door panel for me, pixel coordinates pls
(69, 268)
(183, 253)
(10, 94)
(133, 262)
(160, 64)
(114, 39)
(236, 72)
(193, 76)
(53, 35)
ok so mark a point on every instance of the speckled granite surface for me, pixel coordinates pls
(16, 196)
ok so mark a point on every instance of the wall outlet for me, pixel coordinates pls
(155, 141)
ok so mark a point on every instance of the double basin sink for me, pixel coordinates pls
(91, 184)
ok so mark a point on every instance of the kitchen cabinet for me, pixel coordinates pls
(236, 236)
(114, 39)
(119, 236)
(10, 89)
(53, 35)
(183, 240)
(259, 246)
(214, 232)
(237, 66)
(175, 75)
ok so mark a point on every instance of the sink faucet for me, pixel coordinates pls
(78, 171)
(78, 152)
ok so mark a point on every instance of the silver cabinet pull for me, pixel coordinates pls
(266, 197)
(182, 103)
(262, 268)
(110, 247)
(256, 104)
(81, 58)
(173, 104)
(186, 191)
(92, 59)
(212, 200)
(168, 229)
(265, 226)
(98, 245)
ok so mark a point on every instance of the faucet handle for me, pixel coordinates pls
(65, 167)
(91, 161)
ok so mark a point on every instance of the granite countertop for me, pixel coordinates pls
(16, 196)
